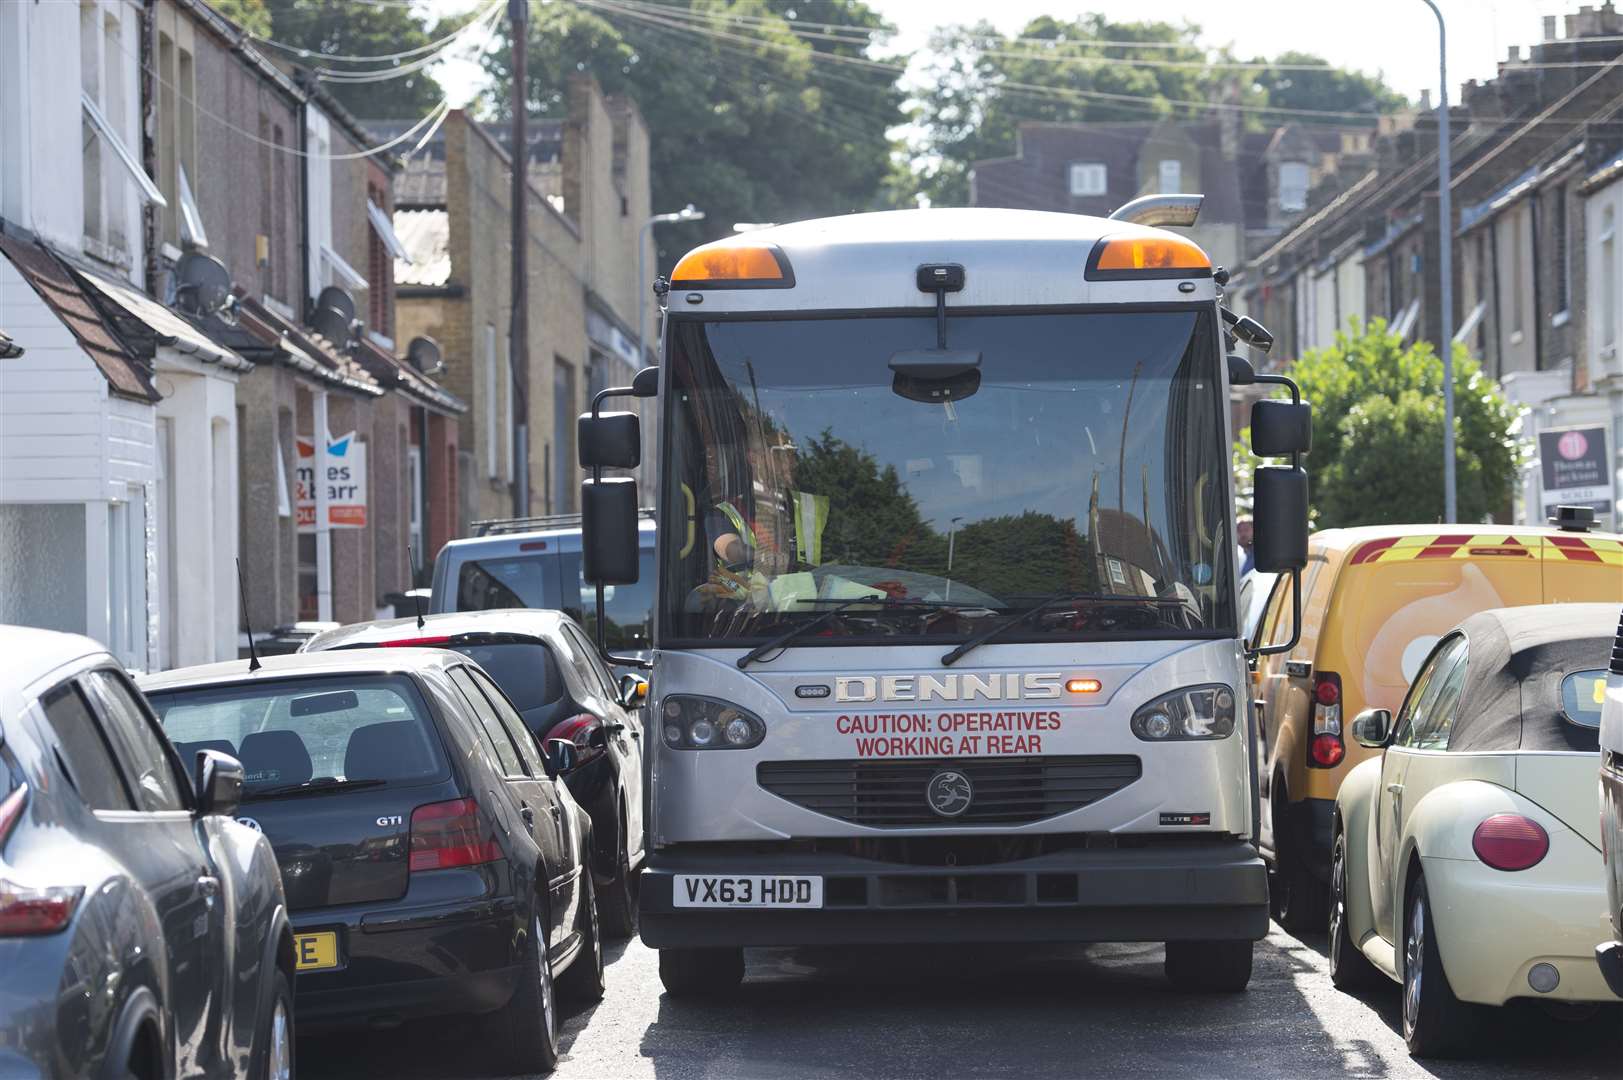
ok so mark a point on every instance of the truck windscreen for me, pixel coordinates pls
(1084, 460)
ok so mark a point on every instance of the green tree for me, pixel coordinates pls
(746, 122)
(313, 29)
(872, 520)
(980, 86)
(1378, 444)
(1330, 89)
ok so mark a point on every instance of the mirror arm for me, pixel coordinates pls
(597, 476)
(1296, 622)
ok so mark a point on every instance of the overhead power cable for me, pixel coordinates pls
(304, 52)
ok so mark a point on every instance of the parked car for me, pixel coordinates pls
(1465, 853)
(432, 864)
(1374, 602)
(143, 932)
(536, 563)
(1609, 954)
(544, 663)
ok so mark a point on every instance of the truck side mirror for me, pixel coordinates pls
(608, 525)
(1279, 517)
(1372, 727)
(609, 440)
(1281, 427)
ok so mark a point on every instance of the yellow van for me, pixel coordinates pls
(1374, 601)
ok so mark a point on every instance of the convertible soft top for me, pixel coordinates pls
(1517, 658)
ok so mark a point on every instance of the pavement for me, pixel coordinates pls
(962, 1011)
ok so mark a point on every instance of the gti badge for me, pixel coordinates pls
(949, 793)
(251, 823)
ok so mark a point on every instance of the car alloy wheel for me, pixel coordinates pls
(280, 1066)
(1414, 962)
(1338, 902)
(549, 997)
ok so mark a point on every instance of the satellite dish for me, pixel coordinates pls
(424, 354)
(336, 298)
(203, 284)
(333, 325)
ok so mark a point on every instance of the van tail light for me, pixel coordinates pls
(577, 730)
(1510, 842)
(448, 834)
(1325, 749)
(26, 910)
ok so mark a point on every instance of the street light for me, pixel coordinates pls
(1446, 263)
(687, 213)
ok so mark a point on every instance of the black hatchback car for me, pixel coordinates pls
(432, 865)
(143, 932)
(543, 661)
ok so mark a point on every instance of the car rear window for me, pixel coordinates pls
(526, 671)
(1582, 695)
(519, 582)
(311, 733)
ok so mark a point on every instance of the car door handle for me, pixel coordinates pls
(209, 886)
(527, 814)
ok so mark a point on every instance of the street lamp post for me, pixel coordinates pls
(1445, 261)
(687, 213)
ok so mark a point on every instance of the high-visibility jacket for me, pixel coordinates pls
(810, 518)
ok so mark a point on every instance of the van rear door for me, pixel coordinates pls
(1580, 568)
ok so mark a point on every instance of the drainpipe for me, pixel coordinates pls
(304, 219)
(1533, 223)
(323, 512)
(424, 463)
(149, 144)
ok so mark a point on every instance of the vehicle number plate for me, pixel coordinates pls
(315, 952)
(746, 891)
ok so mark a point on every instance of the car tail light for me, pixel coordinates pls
(577, 730)
(447, 834)
(25, 909)
(415, 642)
(1326, 749)
(1510, 842)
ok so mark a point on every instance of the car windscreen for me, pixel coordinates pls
(309, 733)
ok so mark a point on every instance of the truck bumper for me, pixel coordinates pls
(1199, 892)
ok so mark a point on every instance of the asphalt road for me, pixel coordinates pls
(1101, 1010)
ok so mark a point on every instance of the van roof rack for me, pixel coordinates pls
(498, 526)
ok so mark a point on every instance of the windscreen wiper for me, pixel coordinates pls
(312, 787)
(1046, 604)
(783, 639)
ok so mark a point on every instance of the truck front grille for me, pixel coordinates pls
(1004, 791)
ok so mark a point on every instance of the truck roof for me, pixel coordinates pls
(1010, 257)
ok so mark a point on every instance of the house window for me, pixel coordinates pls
(563, 433)
(1171, 177)
(1088, 178)
(1293, 181)
(1517, 270)
(90, 84)
(1607, 238)
(493, 421)
(1563, 260)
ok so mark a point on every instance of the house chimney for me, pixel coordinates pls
(1549, 28)
(1228, 122)
(1425, 100)
(1515, 54)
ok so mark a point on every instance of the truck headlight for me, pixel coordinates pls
(698, 723)
(1195, 712)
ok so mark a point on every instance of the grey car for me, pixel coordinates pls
(143, 930)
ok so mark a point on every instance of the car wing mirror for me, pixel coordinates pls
(219, 783)
(560, 757)
(1372, 727)
(633, 691)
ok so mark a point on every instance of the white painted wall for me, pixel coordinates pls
(197, 511)
(1603, 228)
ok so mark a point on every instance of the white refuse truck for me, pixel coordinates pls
(945, 643)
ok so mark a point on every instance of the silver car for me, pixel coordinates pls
(143, 930)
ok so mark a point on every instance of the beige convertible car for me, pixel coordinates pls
(1466, 859)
